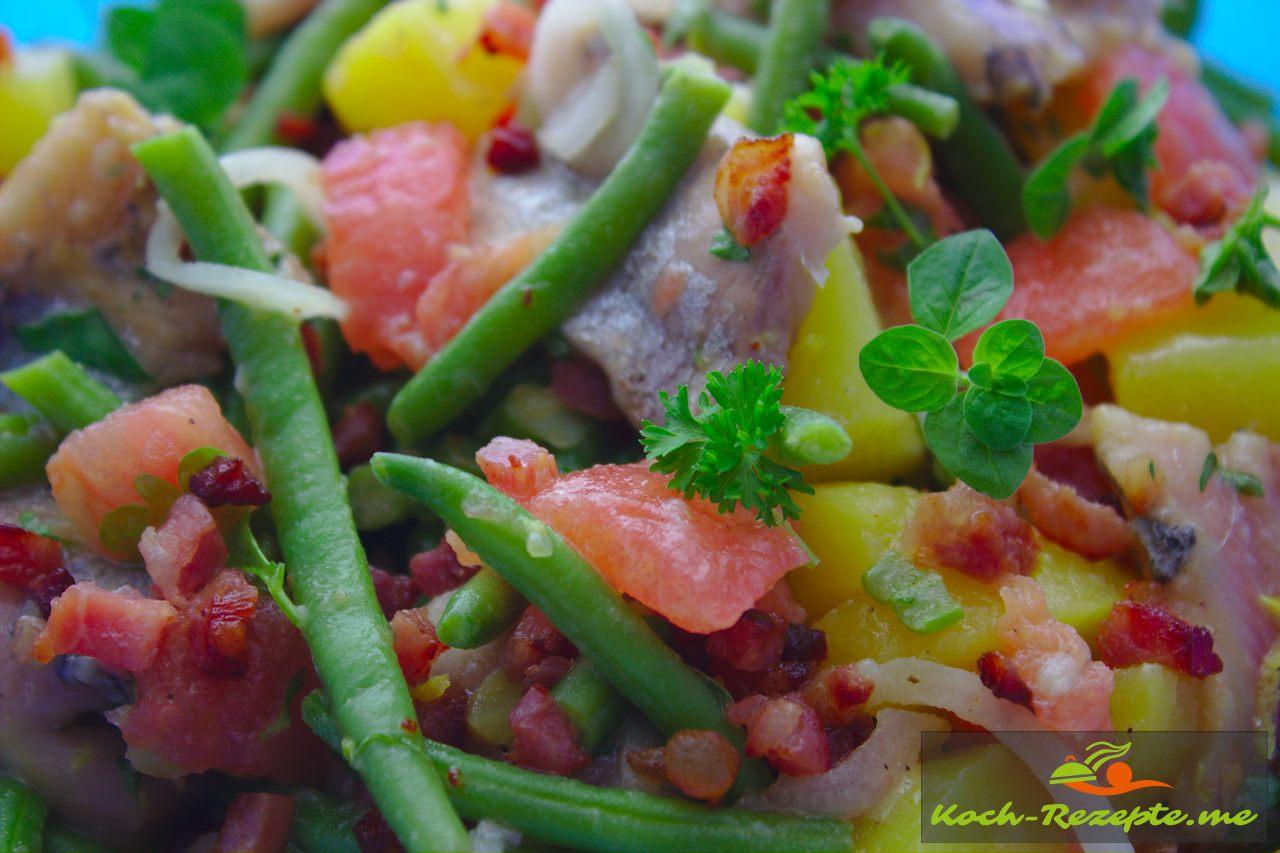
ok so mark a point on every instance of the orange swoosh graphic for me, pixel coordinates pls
(1109, 790)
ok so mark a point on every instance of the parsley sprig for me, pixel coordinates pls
(850, 92)
(1121, 142)
(980, 424)
(1239, 261)
(727, 451)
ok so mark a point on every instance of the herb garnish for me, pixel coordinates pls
(919, 597)
(1239, 261)
(1243, 483)
(1121, 142)
(980, 424)
(724, 247)
(850, 92)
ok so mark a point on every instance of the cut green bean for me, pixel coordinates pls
(977, 158)
(551, 574)
(60, 839)
(327, 570)
(565, 812)
(479, 610)
(86, 337)
(322, 824)
(592, 704)
(291, 85)
(22, 816)
(810, 438)
(936, 115)
(790, 52)
(61, 391)
(25, 445)
(589, 247)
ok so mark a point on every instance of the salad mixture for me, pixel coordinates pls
(624, 426)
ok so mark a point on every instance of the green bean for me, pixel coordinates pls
(591, 703)
(61, 391)
(935, 114)
(810, 438)
(60, 839)
(479, 610)
(977, 157)
(551, 574)
(322, 824)
(22, 816)
(373, 505)
(292, 83)
(565, 812)
(593, 243)
(24, 448)
(790, 52)
(327, 570)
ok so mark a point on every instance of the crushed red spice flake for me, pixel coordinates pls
(454, 776)
(409, 725)
(967, 531)
(543, 736)
(533, 640)
(512, 149)
(1136, 632)
(438, 571)
(753, 644)
(228, 481)
(998, 676)
(358, 433)
(219, 636)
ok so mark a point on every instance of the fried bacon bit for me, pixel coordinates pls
(837, 695)
(701, 763)
(256, 823)
(437, 571)
(753, 644)
(785, 731)
(358, 434)
(119, 628)
(1077, 466)
(1208, 196)
(512, 148)
(374, 835)
(1093, 530)
(998, 675)
(33, 563)
(967, 531)
(507, 28)
(295, 129)
(185, 552)
(219, 635)
(516, 467)
(444, 718)
(543, 736)
(394, 592)
(779, 600)
(415, 642)
(581, 386)
(752, 184)
(533, 641)
(649, 764)
(226, 480)
(804, 643)
(786, 677)
(1135, 633)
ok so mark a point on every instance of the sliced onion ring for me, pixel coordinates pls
(295, 170)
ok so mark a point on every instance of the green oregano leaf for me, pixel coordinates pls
(997, 473)
(960, 284)
(1011, 347)
(726, 248)
(1046, 197)
(1056, 404)
(1000, 421)
(911, 368)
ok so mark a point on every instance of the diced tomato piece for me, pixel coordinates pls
(701, 763)
(256, 823)
(1193, 128)
(752, 186)
(1060, 513)
(1107, 274)
(543, 736)
(970, 532)
(415, 642)
(516, 467)
(118, 628)
(1135, 633)
(395, 200)
(94, 469)
(507, 28)
(184, 553)
(512, 148)
(188, 720)
(699, 568)
(785, 731)
(227, 481)
(437, 571)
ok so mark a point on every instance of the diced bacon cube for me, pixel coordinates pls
(227, 481)
(256, 823)
(185, 552)
(999, 676)
(218, 625)
(701, 763)
(394, 592)
(543, 735)
(1135, 633)
(969, 532)
(754, 643)
(533, 641)
(26, 557)
(837, 694)
(785, 731)
(416, 644)
(118, 628)
(752, 187)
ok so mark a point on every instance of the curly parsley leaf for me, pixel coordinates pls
(722, 453)
(1239, 261)
(1120, 143)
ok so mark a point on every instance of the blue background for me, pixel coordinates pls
(1243, 33)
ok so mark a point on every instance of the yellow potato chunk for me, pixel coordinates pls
(1080, 593)
(35, 85)
(824, 375)
(420, 60)
(1150, 697)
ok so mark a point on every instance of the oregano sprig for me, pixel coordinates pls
(982, 423)
(1121, 142)
(1239, 261)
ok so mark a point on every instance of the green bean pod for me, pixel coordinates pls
(790, 52)
(25, 445)
(977, 158)
(22, 817)
(327, 570)
(592, 704)
(589, 247)
(479, 610)
(551, 574)
(61, 391)
(810, 438)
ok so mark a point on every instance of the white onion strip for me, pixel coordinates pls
(298, 172)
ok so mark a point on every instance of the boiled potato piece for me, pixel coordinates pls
(35, 85)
